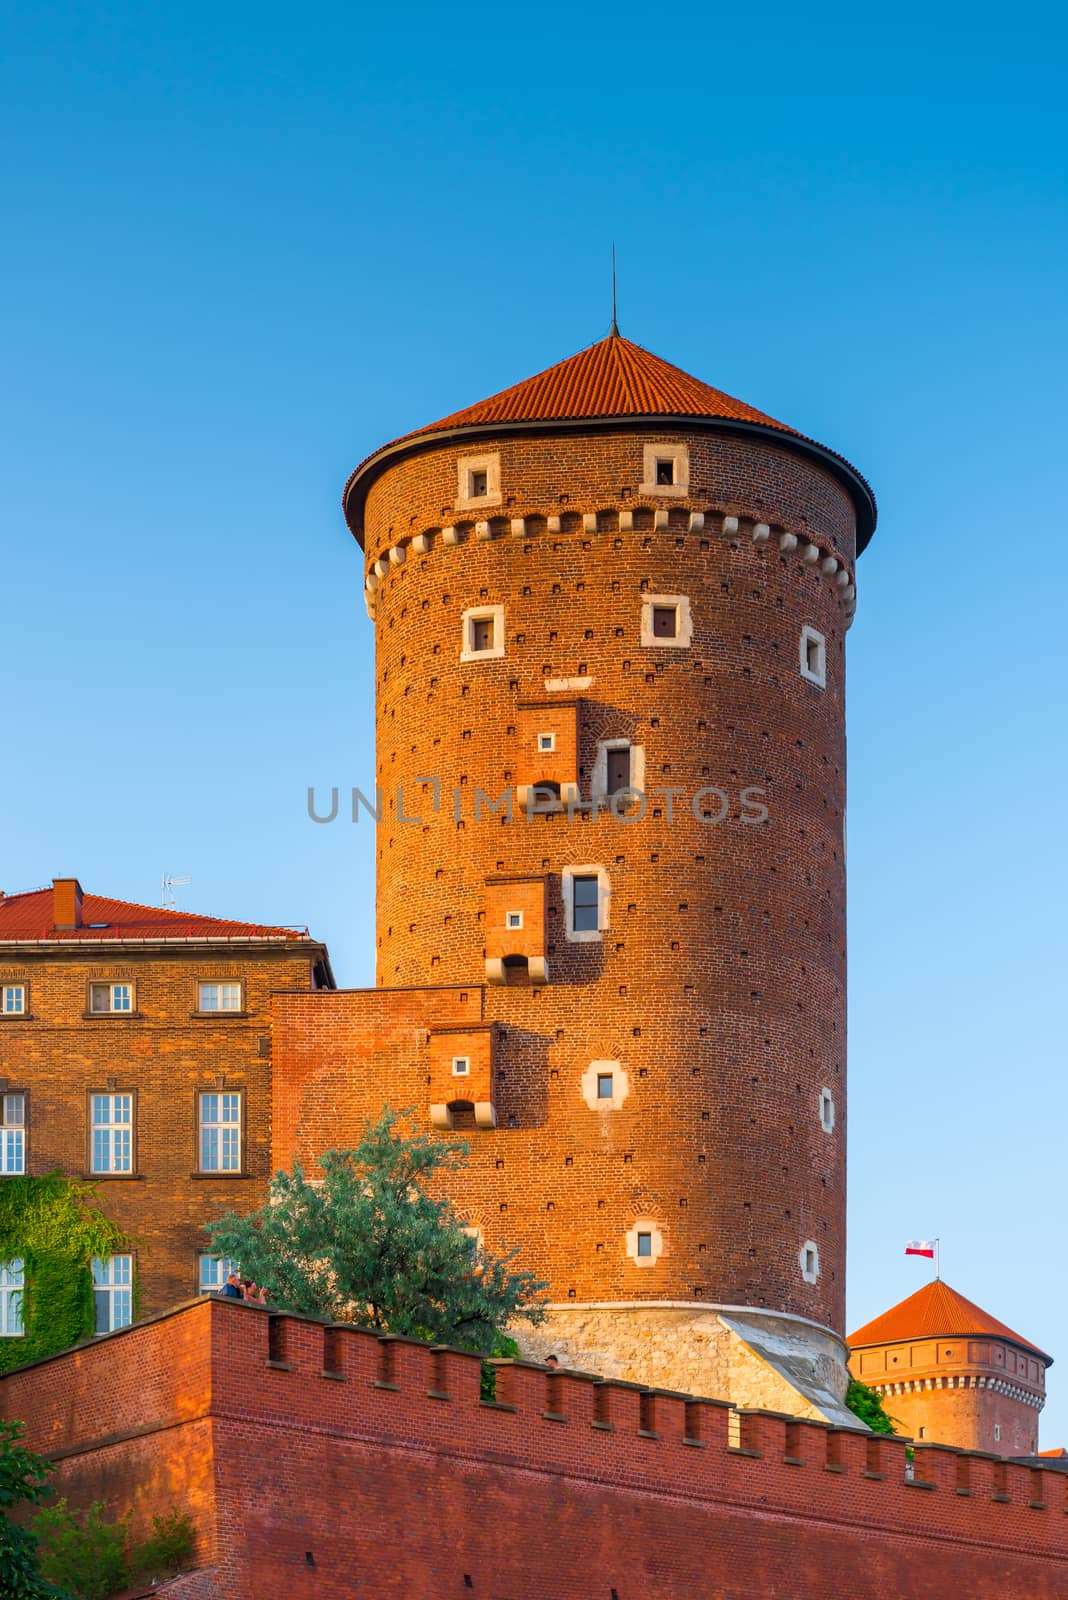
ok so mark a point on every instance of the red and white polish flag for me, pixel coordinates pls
(920, 1247)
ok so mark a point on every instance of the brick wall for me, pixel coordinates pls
(322, 1461)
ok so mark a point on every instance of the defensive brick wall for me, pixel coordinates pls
(323, 1461)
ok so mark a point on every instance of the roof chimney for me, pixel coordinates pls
(66, 903)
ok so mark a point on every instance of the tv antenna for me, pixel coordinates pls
(170, 882)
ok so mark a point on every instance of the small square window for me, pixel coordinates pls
(645, 1244)
(665, 470)
(514, 919)
(478, 485)
(219, 997)
(110, 997)
(482, 636)
(606, 1086)
(482, 633)
(13, 1001)
(461, 1066)
(665, 622)
(546, 742)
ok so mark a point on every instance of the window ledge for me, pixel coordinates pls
(224, 1177)
(113, 1177)
(18, 1016)
(215, 1016)
(113, 1016)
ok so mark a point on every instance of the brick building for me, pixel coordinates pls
(610, 608)
(135, 1051)
(949, 1371)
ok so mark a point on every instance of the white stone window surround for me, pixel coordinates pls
(604, 903)
(461, 1066)
(813, 656)
(494, 614)
(684, 625)
(466, 469)
(809, 1261)
(620, 1085)
(666, 450)
(513, 919)
(546, 743)
(827, 1111)
(645, 1225)
(599, 779)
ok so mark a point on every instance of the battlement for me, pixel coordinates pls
(263, 1425)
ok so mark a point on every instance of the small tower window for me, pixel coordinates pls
(461, 1066)
(478, 482)
(483, 634)
(645, 1245)
(826, 1111)
(813, 657)
(665, 622)
(587, 898)
(922, 1433)
(546, 742)
(617, 770)
(665, 468)
(584, 912)
(997, 1433)
(809, 1258)
(514, 919)
(606, 1086)
(478, 485)
(665, 471)
(644, 1242)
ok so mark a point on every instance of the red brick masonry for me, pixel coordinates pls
(321, 1461)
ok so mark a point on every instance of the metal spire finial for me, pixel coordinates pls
(614, 330)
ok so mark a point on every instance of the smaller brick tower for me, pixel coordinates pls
(951, 1373)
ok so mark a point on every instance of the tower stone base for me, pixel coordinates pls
(761, 1359)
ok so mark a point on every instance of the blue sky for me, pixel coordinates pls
(245, 245)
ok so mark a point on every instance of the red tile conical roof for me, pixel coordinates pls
(613, 378)
(936, 1312)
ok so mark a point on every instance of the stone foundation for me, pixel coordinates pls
(765, 1360)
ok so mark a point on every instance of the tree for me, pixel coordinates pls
(367, 1243)
(23, 1477)
(867, 1404)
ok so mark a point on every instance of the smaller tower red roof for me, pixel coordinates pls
(937, 1312)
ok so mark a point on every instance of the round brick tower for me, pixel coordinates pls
(616, 599)
(950, 1373)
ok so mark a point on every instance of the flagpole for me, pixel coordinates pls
(938, 1259)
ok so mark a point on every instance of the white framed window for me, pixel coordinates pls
(665, 468)
(12, 1134)
(12, 1284)
(111, 1133)
(587, 903)
(809, 1261)
(644, 1242)
(478, 481)
(666, 621)
(461, 1066)
(213, 1271)
(111, 997)
(826, 1111)
(813, 651)
(112, 1293)
(513, 919)
(618, 766)
(13, 1000)
(483, 634)
(220, 996)
(604, 1085)
(546, 743)
(220, 1131)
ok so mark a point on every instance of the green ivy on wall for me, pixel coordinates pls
(53, 1225)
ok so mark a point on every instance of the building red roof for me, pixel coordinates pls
(613, 378)
(936, 1312)
(32, 916)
